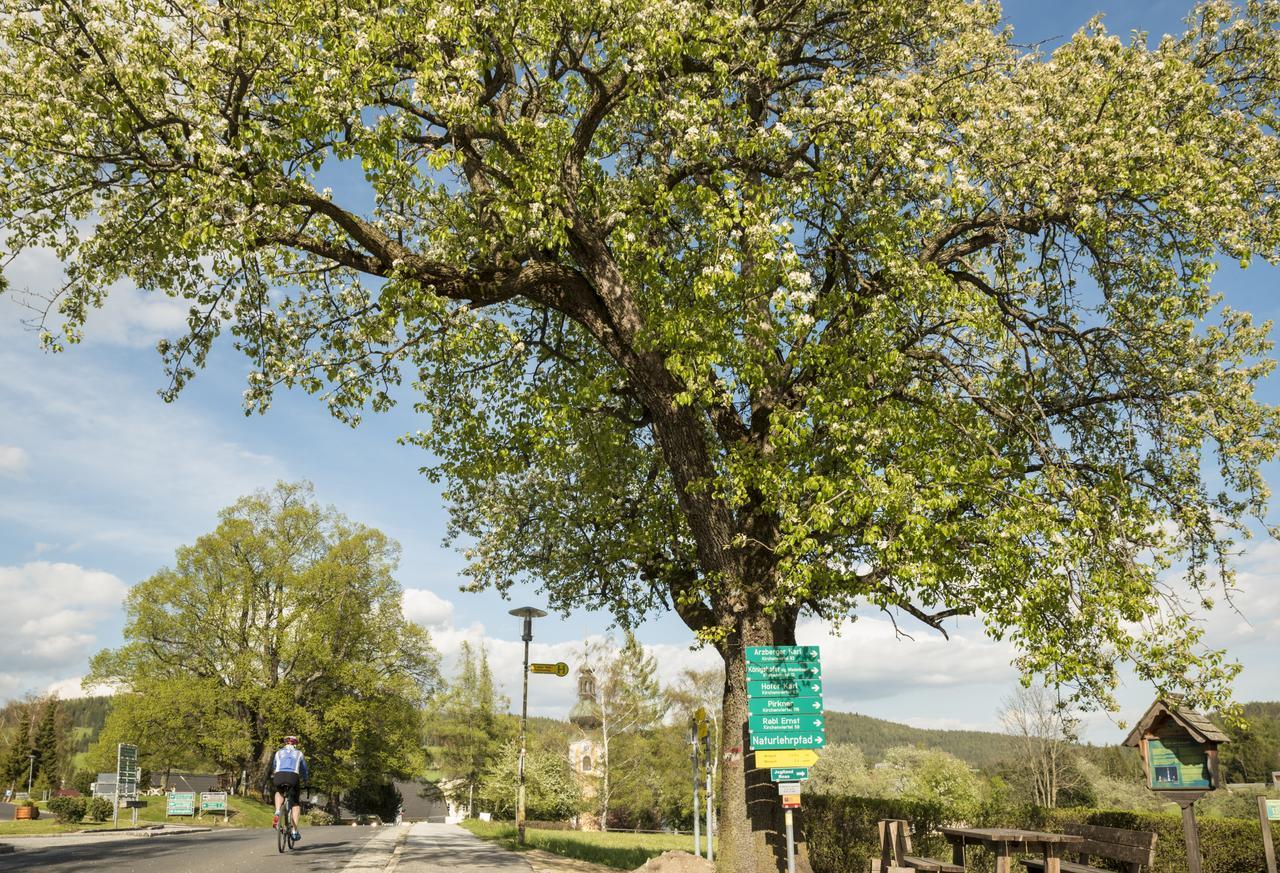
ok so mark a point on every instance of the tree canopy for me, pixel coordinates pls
(286, 619)
(737, 309)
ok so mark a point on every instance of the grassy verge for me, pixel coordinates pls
(617, 849)
(246, 812)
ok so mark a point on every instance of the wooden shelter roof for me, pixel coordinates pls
(1194, 723)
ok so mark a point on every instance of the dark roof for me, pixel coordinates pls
(1194, 723)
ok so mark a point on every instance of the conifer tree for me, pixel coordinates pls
(17, 762)
(48, 759)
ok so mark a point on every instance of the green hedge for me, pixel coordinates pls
(842, 834)
(1228, 845)
(67, 809)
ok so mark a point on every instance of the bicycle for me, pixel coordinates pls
(284, 828)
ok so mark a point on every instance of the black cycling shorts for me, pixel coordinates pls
(287, 783)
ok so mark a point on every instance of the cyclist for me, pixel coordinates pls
(288, 770)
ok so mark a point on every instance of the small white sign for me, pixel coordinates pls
(789, 787)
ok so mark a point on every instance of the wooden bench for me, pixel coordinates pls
(1136, 850)
(895, 852)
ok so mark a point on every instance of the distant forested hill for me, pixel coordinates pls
(874, 736)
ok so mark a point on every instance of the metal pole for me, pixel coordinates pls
(31, 770)
(711, 852)
(697, 836)
(524, 716)
(791, 843)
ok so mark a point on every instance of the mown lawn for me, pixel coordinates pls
(246, 812)
(618, 849)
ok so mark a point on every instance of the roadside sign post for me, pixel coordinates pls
(215, 801)
(126, 780)
(693, 757)
(786, 723)
(1268, 811)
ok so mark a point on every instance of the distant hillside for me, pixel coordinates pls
(874, 736)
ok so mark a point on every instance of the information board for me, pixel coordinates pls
(1177, 762)
(180, 803)
(1273, 810)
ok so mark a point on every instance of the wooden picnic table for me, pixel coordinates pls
(1003, 842)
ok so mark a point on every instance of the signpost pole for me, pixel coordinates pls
(1192, 835)
(1268, 847)
(791, 842)
(693, 756)
(711, 852)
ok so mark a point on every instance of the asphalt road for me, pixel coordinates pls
(233, 851)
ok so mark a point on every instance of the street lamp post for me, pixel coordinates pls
(528, 613)
(31, 771)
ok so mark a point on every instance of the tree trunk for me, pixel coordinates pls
(752, 830)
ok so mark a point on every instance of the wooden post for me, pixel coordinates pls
(1192, 835)
(1268, 847)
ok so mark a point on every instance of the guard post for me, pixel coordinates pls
(1179, 749)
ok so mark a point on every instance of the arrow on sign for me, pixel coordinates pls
(788, 740)
(784, 705)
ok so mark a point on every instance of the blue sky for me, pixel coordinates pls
(100, 481)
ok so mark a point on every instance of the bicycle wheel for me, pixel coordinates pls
(282, 829)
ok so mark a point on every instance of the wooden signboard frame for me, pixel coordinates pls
(1268, 846)
(1170, 737)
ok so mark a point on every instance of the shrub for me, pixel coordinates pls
(67, 809)
(97, 809)
(319, 817)
(843, 835)
(1228, 845)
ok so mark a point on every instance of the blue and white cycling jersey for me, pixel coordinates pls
(289, 760)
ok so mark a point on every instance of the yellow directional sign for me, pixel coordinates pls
(560, 669)
(787, 758)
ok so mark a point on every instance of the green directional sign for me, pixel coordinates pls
(789, 687)
(803, 670)
(180, 803)
(784, 705)
(788, 740)
(781, 654)
(766, 723)
(788, 774)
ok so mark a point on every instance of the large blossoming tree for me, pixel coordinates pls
(741, 309)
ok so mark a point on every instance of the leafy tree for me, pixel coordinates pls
(1254, 751)
(374, 796)
(931, 776)
(551, 791)
(468, 722)
(742, 313)
(630, 703)
(842, 769)
(285, 619)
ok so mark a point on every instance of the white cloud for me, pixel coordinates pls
(427, 608)
(73, 687)
(867, 660)
(128, 317)
(52, 612)
(13, 461)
